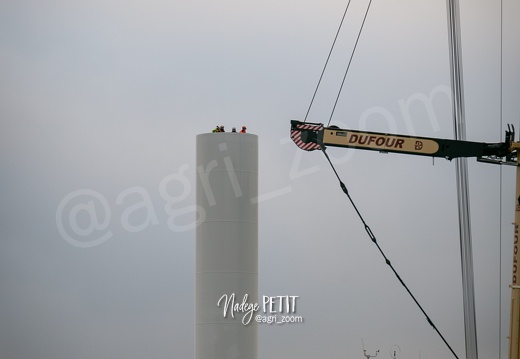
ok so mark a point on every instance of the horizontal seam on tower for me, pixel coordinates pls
(225, 170)
(225, 220)
(202, 272)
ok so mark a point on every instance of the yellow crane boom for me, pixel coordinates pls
(312, 136)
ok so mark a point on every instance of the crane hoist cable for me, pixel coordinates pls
(387, 261)
(327, 61)
(328, 58)
(462, 180)
(350, 61)
(501, 111)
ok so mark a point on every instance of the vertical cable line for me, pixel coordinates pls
(327, 61)
(500, 191)
(349, 62)
(461, 174)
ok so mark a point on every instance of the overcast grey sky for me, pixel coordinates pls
(100, 103)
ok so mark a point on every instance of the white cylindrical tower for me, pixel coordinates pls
(226, 244)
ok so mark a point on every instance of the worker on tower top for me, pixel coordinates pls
(243, 130)
(222, 129)
(216, 129)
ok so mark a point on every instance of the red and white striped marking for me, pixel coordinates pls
(296, 136)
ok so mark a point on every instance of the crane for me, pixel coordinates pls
(316, 136)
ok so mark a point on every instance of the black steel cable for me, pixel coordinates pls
(461, 175)
(327, 61)
(349, 62)
(387, 261)
(500, 180)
